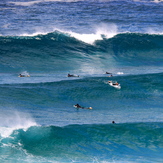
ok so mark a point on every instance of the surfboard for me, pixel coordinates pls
(24, 76)
(114, 85)
(82, 107)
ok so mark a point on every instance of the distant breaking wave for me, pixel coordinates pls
(69, 1)
(102, 31)
(53, 49)
(104, 42)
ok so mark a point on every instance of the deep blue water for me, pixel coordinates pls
(47, 39)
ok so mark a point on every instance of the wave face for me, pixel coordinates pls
(58, 52)
(41, 42)
(86, 143)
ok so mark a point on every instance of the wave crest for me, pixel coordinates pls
(12, 120)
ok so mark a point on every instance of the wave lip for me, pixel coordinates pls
(13, 120)
(101, 32)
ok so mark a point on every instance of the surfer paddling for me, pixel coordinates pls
(114, 84)
(110, 82)
(80, 107)
(69, 75)
(109, 74)
(20, 75)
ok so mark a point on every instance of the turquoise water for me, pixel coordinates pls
(49, 39)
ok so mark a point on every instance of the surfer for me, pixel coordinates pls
(69, 75)
(116, 83)
(20, 75)
(113, 122)
(108, 72)
(110, 82)
(78, 106)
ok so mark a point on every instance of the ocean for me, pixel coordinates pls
(44, 41)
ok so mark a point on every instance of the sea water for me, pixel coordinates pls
(49, 39)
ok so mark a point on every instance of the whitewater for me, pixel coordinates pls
(41, 42)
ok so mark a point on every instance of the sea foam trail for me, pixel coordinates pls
(41, 1)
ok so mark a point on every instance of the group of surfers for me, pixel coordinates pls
(110, 82)
(69, 75)
(77, 106)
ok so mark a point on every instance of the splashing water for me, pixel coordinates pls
(12, 120)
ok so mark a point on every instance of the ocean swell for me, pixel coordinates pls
(85, 142)
(58, 51)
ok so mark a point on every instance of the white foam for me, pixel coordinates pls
(101, 31)
(34, 34)
(120, 73)
(40, 1)
(154, 31)
(25, 73)
(88, 38)
(25, 3)
(155, 1)
(12, 120)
